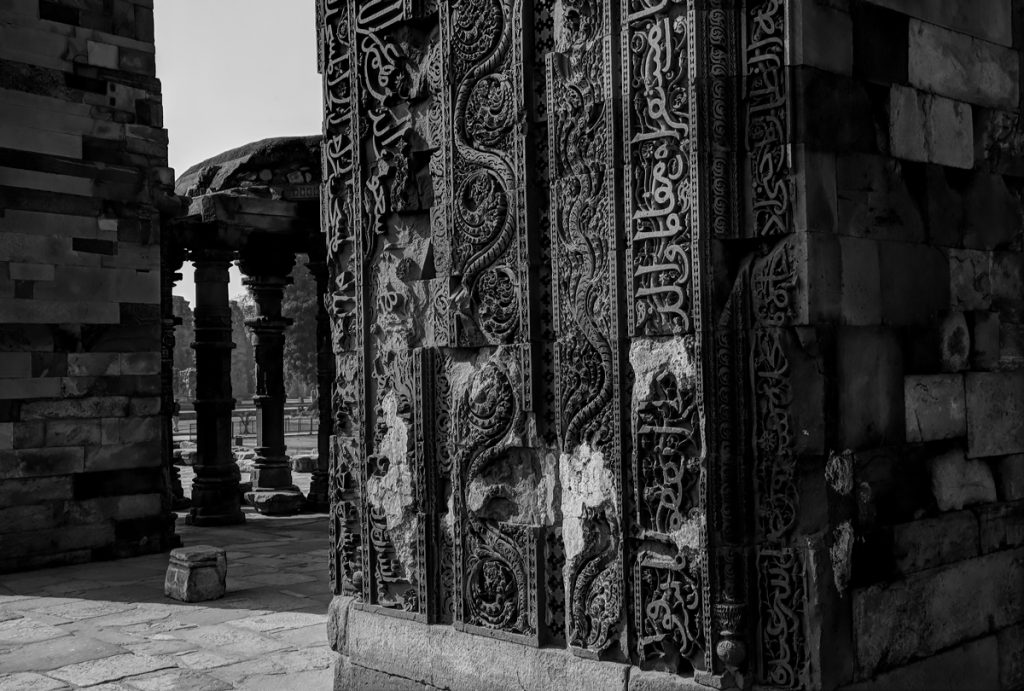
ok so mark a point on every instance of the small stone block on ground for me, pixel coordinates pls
(196, 574)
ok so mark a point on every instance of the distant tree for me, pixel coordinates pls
(184, 356)
(243, 357)
(300, 340)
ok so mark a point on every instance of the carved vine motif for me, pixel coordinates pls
(595, 584)
(588, 357)
(495, 562)
(487, 160)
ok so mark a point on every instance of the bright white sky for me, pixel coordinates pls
(233, 72)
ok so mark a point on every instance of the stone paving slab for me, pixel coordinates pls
(108, 627)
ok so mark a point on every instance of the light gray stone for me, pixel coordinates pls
(962, 67)
(110, 669)
(935, 406)
(442, 657)
(196, 574)
(958, 481)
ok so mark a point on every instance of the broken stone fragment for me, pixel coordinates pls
(196, 574)
(304, 464)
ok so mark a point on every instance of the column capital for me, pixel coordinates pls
(208, 255)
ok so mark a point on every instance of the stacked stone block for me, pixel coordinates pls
(83, 178)
(908, 159)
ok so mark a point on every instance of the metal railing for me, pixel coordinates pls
(293, 425)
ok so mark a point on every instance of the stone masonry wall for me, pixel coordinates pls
(83, 161)
(908, 149)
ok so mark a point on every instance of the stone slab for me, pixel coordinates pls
(936, 609)
(995, 413)
(962, 67)
(958, 481)
(931, 542)
(930, 129)
(970, 666)
(442, 657)
(935, 407)
(109, 669)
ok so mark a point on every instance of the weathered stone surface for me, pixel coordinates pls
(974, 665)
(109, 669)
(930, 129)
(958, 481)
(643, 680)
(196, 574)
(936, 541)
(399, 647)
(995, 413)
(962, 67)
(969, 276)
(954, 342)
(935, 407)
(936, 609)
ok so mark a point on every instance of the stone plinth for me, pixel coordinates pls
(196, 574)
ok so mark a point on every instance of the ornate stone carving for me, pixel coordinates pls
(488, 207)
(584, 228)
(767, 116)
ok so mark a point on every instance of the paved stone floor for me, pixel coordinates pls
(108, 625)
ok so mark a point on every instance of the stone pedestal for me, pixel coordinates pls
(272, 489)
(196, 574)
(216, 499)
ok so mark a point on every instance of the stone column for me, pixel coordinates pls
(267, 273)
(216, 497)
(318, 499)
(171, 258)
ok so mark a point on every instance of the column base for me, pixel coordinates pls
(317, 504)
(201, 518)
(276, 502)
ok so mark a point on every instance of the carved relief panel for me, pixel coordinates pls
(548, 422)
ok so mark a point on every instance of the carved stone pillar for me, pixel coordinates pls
(216, 498)
(267, 273)
(318, 499)
(172, 257)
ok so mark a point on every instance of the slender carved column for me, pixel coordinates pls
(172, 257)
(267, 273)
(216, 498)
(318, 499)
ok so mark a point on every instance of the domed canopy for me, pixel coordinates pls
(282, 167)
